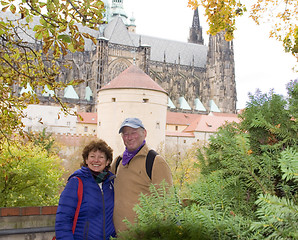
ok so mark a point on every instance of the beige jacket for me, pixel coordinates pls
(131, 180)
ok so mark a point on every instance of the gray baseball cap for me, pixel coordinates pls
(131, 122)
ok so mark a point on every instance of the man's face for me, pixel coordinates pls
(133, 137)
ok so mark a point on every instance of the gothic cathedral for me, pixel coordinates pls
(198, 78)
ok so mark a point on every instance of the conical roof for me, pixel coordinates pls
(133, 77)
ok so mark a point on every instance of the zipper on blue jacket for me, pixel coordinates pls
(103, 209)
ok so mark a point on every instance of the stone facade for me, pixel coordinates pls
(190, 70)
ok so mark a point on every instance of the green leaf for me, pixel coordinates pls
(6, 57)
(13, 8)
(38, 35)
(37, 28)
(42, 4)
(29, 19)
(4, 3)
(65, 38)
(71, 47)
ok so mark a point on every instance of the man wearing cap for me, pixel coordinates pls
(131, 175)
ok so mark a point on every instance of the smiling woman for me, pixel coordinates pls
(96, 211)
(97, 161)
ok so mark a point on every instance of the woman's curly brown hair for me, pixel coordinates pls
(100, 145)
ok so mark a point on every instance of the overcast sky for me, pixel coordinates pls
(260, 62)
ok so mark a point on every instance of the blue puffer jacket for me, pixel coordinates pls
(95, 221)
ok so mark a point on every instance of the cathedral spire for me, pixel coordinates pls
(195, 32)
(117, 9)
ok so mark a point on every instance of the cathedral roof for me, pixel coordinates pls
(116, 32)
(176, 52)
(133, 77)
(188, 54)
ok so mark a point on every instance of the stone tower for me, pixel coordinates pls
(220, 74)
(132, 94)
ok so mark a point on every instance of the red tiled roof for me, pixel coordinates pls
(88, 117)
(211, 122)
(176, 118)
(133, 77)
(201, 122)
(220, 114)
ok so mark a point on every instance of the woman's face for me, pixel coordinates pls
(97, 161)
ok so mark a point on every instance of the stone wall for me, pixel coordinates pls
(27, 223)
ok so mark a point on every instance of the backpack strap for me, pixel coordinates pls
(149, 162)
(117, 163)
(80, 197)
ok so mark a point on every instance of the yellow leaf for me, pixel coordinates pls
(4, 9)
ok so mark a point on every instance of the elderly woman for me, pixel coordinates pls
(95, 218)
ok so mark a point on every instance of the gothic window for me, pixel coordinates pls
(117, 68)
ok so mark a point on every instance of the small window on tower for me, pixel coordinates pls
(145, 100)
(113, 99)
(86, 129)
(176, 128)
(157, 125)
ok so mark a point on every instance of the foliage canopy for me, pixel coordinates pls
(30, 176)
(33, 62)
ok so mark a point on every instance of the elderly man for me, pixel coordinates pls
(135, 170)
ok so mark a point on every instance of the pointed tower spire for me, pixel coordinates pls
(195, 32)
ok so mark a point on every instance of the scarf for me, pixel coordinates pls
(127, 156)
(100, 177)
